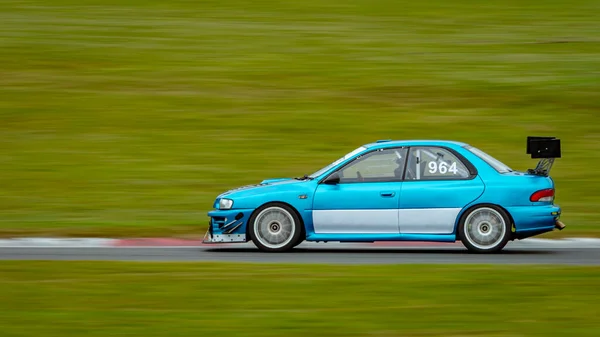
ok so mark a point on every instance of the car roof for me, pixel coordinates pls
(415, 142)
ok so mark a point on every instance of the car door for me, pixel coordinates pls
(366, 199)
(438, 184)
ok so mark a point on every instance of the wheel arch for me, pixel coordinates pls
(466, 210)
(275, 203)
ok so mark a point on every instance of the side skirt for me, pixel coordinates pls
(381, 237)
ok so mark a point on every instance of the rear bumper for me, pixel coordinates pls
(534, 220)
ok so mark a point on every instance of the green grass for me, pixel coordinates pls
(128, 117)
(203, 299)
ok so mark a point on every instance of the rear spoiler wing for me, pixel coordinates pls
(545, 148)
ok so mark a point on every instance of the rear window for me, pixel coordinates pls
(493, 162)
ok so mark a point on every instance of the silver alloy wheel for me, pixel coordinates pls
(274, 227)
(485, 228)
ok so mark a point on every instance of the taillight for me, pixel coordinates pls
(543, 195)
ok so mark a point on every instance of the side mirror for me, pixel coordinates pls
(333, 179)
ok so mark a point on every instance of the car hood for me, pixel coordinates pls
(263, 184)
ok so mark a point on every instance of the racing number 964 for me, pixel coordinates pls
(442, 168)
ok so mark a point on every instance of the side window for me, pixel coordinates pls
(377, 166)
(434, 163)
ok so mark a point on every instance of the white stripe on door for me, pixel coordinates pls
(427, 220)
(385, 221)
(355, 221)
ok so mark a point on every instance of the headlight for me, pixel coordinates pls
(225, 203)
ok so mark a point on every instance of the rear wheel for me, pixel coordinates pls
(485, 229)
(275, 228)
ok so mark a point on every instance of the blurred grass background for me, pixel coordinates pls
(222, 299)
(123, 118)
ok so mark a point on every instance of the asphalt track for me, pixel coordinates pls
(525, 252)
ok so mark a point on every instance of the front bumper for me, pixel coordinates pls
(223, 238)
(226, 226)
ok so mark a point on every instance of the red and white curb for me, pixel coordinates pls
(172, 242)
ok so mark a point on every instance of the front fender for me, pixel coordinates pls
(299, 198)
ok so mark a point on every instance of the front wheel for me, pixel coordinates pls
(275, 228)
(485, 229)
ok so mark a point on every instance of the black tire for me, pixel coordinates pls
(481, 219)
(257, 232)
(301, 238)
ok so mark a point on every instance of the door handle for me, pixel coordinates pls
(387, 194)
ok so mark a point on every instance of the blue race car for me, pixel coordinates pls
(413, 190)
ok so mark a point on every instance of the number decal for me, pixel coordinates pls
(453, 168)
(442, 168)
(432, 167)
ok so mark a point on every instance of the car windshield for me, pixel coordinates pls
(326, 168)
(493, 162)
